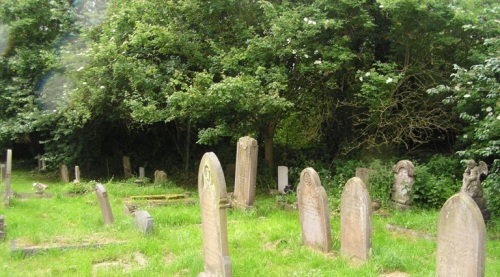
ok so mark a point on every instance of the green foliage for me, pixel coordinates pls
(80, 188)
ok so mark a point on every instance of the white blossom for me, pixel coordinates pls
(389, 80)
(102, 87)
(361, 78)
(306, 19)
(317, 61)
(367, 74)
(81, 67)
(306, 56)
(465, 136)
(489, 109)
(467, 95)
(498, 117)
(294, 51)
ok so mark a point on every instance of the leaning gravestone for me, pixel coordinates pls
(356, 220)
(8, 169)
(403, 184)
(213, 202)
(102, 197)
(461, 239)
(64, 174)
(144, 221)
(282, 178)
(313, 211)
(246, 173)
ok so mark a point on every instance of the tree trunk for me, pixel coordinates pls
(268, 134)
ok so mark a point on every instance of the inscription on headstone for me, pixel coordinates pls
(103, 199)
(282, 178)
(8, 169)
(356, 220)
(246, 173)
(403, 184)
(213, 202)
(461, 239)
(144, 221)
(64, 174)
(313, 211)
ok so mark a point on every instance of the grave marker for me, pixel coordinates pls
(144, 221)
(282, 178)
(127, 168)
(356, 220)
(8, 169)
(102, 197)
(77, 175)
(64, 174)
(403, 184)
(461, 239)
(246, 173)
(313, 211)
(160, 176)
(213, 202)
(3, 170)
(142, 173)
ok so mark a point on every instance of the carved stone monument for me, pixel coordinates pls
(64, 173)
(144, 221)
(472, 185)
(404, 173)
(8, 170)
(213, 202)
(313, 212)
(461, 239)
(356, 220)
(102, 197)
(160, 176)
(246, 173)
(282, 178)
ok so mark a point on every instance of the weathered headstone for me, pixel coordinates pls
(461, 239)
(404, 172)
(127, 168)
(313, 211)
(8, 169)
(3, 171)
(142, 173)
(213, 202)
(144, 221)
(77, 175)
(160, 176)
(282, 178)
(356, 220)
(246, 173)
(472, 185)
(64, 174)
(103, 199)
(364, 174)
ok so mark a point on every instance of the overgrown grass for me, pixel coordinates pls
(262, 242)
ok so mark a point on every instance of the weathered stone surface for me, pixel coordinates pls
(461, 239)
(127, 168)
(472, 185)
(403, 184)
(142, 172)
(102, 197)
(8, 170)
(144, 221)
(129, 209)
(160, 176)
(64, 173)
(213, 202)
(282, 178)
(356, 220)
(313, 211)
(246, 173)
(2, 171)
(77, 175)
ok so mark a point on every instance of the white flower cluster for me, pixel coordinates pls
(309, 21)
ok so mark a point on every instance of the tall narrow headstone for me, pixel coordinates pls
(103, 199)
(213, 202)
(282, 178)
(77, 175)
(403, 184)
(313, 211)
(64, 174)
(461, 239)
(8, 169)
(356, 220)
(142, 173)
(246, 173)
(127, 168)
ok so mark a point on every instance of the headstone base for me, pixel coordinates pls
(401, 207)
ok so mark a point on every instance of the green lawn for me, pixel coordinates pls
(262, 242)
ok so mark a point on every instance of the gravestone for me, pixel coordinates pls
(64, 174)
(144, 221)
(461, 239)
(282, 178)
(142, 173)
(364, 174)
(8, 169)
(2, 227)
(213, 202)
(3, 171)
(127, 168)
(403, 184)
(313, 212)
(356, 220)
(77, 175)
(103, 199)
(246, 173)
(472, 185)
(160, 176)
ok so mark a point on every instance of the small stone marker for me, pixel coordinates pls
(8, 169)
(102, 197)
(313, 211)
(64, 174)
(144, 221)
(160, 176)
(461, 239)
(213, 202)
(127, 168)
(403, 184)
(142, 173)
(246, 173)
(356, 220)
(282, 178)
(77, 175)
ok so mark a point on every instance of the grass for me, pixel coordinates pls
(262, 242)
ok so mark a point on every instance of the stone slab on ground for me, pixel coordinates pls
(31, 250)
